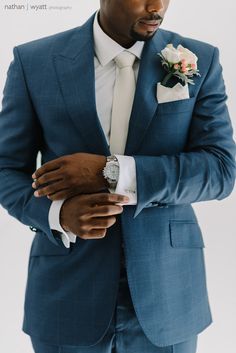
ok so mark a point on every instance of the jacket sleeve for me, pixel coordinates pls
(20, 140)
(205, 170)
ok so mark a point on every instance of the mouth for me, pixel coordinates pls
(150, 25)
(149, 22)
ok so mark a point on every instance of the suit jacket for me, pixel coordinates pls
(184, 153)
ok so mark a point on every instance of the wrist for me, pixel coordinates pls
(102, 182)
(62, 218)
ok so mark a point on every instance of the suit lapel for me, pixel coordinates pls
(75, 72)
(76, 77)
(145, 102)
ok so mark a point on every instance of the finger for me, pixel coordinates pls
(107, 210)
(47, 167)
(106, 198)
(47, 178)
(101, 223)
(94, 234)
(50, 189)
(115, 198)
(62, 195)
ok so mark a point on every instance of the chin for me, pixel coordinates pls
(143, 37)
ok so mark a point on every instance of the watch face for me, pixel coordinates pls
(113, 172)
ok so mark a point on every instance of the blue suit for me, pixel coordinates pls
(184, 153)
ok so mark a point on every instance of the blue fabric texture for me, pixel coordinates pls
(124, 335)
(184, 153)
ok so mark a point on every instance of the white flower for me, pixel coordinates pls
(187, 55)
(179, 62)
(171, 54)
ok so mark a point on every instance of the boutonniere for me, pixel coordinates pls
(179, 62)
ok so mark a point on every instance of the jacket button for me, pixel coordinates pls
(163, 205)
(159, 205)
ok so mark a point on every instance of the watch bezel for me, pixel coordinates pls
(111, 160)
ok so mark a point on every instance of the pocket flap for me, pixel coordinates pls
(186, 234)
(42, 246)
(175, 107)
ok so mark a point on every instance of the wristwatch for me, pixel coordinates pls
(111, 171)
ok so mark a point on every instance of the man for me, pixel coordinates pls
(117, 261)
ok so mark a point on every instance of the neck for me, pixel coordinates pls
(123, 41)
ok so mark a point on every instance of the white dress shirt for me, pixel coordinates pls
(106, 49)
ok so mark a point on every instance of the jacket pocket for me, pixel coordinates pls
(42, 246)
(186, 234)
(176, 107)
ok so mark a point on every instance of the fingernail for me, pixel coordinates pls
(36, 193)
(34, 185)
(126, 198)
(33, 176)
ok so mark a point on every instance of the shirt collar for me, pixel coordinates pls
(106, 49)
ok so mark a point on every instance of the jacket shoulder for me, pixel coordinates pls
(52, 44)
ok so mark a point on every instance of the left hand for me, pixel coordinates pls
(70, 175)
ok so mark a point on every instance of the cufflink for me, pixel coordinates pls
(33, 229)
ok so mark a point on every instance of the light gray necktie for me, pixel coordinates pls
(123, 98)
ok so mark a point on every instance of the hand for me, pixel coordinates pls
(70, 175)
(89, 216)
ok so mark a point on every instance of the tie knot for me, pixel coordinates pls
(125, 59)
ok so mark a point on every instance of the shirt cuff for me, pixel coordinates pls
(54, 222)
(127, 184)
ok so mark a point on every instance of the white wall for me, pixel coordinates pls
(205, 20)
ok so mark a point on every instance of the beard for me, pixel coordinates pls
(141, 37)
(136, 36)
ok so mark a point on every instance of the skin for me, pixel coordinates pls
(89, 210)
(127, 21)
(95, 214)
(70, 175)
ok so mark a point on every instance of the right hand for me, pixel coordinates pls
(90, 215)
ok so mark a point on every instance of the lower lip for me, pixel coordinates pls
(149, 27)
